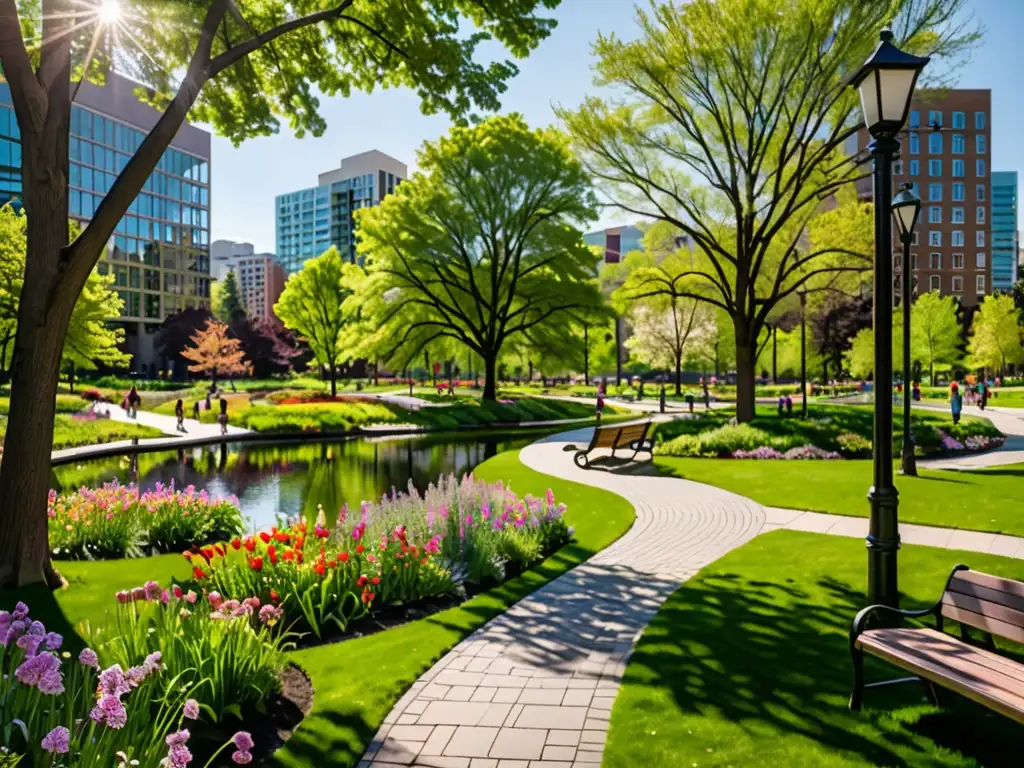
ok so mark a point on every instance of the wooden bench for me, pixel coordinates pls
(993, 605)
(631, 437)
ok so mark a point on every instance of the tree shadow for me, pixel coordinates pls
(773, 659)
(43, 605)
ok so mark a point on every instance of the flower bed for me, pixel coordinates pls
(63, 711)
(119, 521)
(405, 548)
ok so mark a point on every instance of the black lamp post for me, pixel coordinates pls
(886, 85)
(906, 207)
(802, 292)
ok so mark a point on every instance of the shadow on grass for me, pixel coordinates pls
(42, 603)
(765, 665)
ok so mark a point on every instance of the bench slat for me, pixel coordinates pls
(606, 437)
(984, 608)
(951, 664)
(1008, 586)
(988, 594)
(984, 623)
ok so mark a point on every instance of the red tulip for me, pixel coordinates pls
(256, 563)
(375, 580)
(319, 568)
(273, 595)
(250, 544)
(343, 556)
(273, 554)
(360, 549)
(198, 573)
(362, 581)
(265, 537)
(236, 543)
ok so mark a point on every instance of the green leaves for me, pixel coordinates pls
(997, 340)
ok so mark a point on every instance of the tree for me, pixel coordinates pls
(89, 339)
(1018, 297)
(480, 246)
(935, 331)
(310, 305)
(834, 323)
(269, 347)
(729, 123)
(859, 360)
(996, 336)
(215, 354)
(229, 305)
(230, 65)
(175, 333)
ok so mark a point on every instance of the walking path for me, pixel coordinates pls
(1009, 421)
(534, 687)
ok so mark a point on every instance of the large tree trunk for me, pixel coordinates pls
(490, 377)
(334, 379)
(679, 375)
(745, 375)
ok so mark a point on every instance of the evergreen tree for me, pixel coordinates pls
(230, 305)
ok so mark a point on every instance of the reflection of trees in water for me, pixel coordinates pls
(292, 478)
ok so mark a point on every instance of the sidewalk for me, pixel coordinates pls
(1006, 420)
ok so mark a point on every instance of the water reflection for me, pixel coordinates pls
(273, 480)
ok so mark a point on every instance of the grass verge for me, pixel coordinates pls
(748, 664)
(982, 500)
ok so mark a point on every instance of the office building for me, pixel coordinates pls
(260, 282)
(945, 154)
(311, 220)
(224, 255)
(159, 254)
(1004, 230)
(615, 242)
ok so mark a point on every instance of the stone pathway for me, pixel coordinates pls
(1009, 421)
(534, 687)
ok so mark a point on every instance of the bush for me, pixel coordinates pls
(118, 521)
(398, 551)
(720, 442)
(151, 385)
(854, 446)
(322, 417)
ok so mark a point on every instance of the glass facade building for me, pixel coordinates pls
(1004, 230)
(311, 220)
(159, 254)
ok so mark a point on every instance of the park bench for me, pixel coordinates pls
(631, 437)
(993, 605)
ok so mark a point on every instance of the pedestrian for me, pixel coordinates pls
(782, 405)
(916, 393)
(982, 394)
(195, 410)
(640, 390)
(600, 403)
(661, 400)
(690, 400)
(956, 404)
(707, 398)
(223, 418)
(789, 405)
(451, 387)
(179, 411)
(133, 402)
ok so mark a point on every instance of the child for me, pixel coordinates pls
(179, 411)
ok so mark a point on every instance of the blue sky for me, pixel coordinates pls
(246, 179)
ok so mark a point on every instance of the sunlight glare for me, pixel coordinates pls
(110, 11)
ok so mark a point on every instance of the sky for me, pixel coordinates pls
(246, 179)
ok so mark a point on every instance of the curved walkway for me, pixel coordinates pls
(534, 687)
(1009, 421)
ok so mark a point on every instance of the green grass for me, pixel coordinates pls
(823, 427)
(748, 665)
(68, 433)
(357, 682)
(982, 500)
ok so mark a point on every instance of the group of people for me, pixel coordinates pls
(974, 394)
(131, 400)
(130, 403)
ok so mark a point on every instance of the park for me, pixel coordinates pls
(476, 494)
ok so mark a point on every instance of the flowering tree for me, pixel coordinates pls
(235, 66)
(215, 354)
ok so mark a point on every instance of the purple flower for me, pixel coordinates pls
(89, 658)
(242, 757)
(270, 614)
(52, 683)
(112, 681)
(57, 741)
(191, 709)
(178, 756)
(178, 737)
(20, 611)
(33, 670)
(151, 590)
(53, 641)
(30, 644)
(153, 662)
(110, 711)
(243, 740)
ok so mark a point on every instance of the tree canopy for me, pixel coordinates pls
(229, 304)
(310, 305)
(214, 353)
(729, 122)
(935, 332)
(480, 246)
(996, 335)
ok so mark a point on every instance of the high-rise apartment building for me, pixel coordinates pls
(224, 254)
(1004, 230)
(159, 254)
(945, 153)
(310, 221)
(260, 282)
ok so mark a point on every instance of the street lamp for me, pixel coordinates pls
(906, 207)
(886, 86)
(802, 293)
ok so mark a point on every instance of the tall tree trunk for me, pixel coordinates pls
(490, 377)
(586, 356)
(71, 377)
(679, 375)
(333, 369)
(745, 374)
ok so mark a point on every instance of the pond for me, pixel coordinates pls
(286, 479)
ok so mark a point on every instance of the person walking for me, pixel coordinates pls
(661, 400)
(223, 418)
(179, 412)
(982, 394)
(789, 405)
(916, 392)
(600, 403)
(133, 402)
(640, 391)
(956, 403)
(195, 410)
(707, 398)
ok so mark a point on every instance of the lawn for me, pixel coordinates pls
(748, 664)
(982, 500)
(828, 426)
(68, 433)
(358, 682)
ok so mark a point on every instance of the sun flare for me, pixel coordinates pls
(110, 11)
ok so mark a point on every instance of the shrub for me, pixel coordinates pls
(853, 445)
(722, 442)
(117, 521)
(405, 548)
(316, 417)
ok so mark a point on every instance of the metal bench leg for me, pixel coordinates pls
(857, 695)
(581, 459)
(931, 691)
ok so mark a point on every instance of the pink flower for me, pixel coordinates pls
(191, 709)
(57, 741)
(109, 711)
(139, 593)
(89, 658)
(242, 757)
(165, 597)
(243, 740)
(178, 737)
(215, 600)
(252, 603)
(270, 614)
(32, 671)
(191, 597)
(113, 682)
(124, 597)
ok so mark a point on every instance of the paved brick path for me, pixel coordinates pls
(534, 687)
